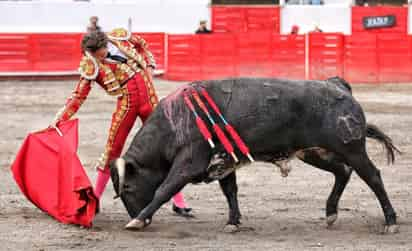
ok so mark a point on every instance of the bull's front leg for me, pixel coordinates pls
(185, 168)
(229, 188)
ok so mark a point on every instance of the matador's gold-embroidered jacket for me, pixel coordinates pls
(111, 76)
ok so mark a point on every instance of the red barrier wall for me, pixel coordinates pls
(378, 58)
(360, 58)
(15, 52)
(254, 52)
(56, 52)
(245, 18)
(325, 55)
(39, 52)
(217, 56)
(288, 56)
(401, 14)
(199, 57)
(394, 58)
(183, 57)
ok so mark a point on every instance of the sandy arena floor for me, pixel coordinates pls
(278, 213)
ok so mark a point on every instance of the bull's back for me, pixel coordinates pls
(282, 113)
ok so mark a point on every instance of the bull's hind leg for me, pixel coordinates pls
(371, 175)
(187, 166)
(329, 162)
(229, 188)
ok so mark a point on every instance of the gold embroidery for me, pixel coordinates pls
(153, 100)
(118, 117)
(138, 40)
(128, 49)
(88, 67)
(119, 34)
(112, 81)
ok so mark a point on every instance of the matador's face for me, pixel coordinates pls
(101, 53)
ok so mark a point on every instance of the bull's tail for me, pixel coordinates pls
(374, 132)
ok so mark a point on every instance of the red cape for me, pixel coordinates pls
(51, 176)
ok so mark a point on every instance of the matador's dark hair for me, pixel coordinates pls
(93, 41)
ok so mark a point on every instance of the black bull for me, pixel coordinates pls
(317, 121)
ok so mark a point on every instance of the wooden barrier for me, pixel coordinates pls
(361, 57)
(43, 53)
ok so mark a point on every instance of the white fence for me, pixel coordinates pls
(175, 16)
(329, 18)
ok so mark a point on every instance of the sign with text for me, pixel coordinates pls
(379, 22)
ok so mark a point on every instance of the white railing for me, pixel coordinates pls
(175, 16)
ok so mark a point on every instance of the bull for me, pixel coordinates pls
(318, 122)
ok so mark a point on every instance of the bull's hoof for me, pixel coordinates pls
(183, 212)
(391, 229)
(230, 229)
(331, 219)
(136, 225)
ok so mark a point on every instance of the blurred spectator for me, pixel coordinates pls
(203, 28)
(362, 2)
(295, 30)
(93, 26)
(297, 1)
(316, 2)
(317, 29)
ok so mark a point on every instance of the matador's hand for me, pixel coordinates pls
(54, 124)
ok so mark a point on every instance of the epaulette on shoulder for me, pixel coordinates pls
(119, 34)
(88, 68)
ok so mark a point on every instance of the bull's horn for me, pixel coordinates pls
(121, 171)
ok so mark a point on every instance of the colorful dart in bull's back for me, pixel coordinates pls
(220, 134)
(200, 124)
(235, 136)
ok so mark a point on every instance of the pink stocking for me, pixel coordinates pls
(102, 179)
(179, 200)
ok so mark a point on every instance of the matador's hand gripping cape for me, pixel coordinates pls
(49, 173)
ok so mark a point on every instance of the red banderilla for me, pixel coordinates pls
(220, 134)
(235, 136)
(200, 124)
